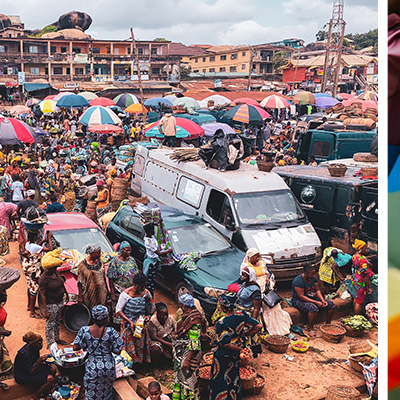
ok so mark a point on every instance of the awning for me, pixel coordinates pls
(30, 87)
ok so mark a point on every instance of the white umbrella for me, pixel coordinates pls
(187, 101)
(89, 96)
(218, 100)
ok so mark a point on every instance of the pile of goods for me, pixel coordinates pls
(332, 333)
(185, 154)
(66, 357)
(353, 111)
(119, 192)
(357, 323)
(133, 201)
(245, 357)
(126, 153)
(65, 389)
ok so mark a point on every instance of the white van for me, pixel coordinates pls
(250, 207)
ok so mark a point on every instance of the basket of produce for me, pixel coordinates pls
(357, 362)
(342, 393)
(8, 276)
(332, 333)
(362, 346)
(337, 169)
(208, 358)
(245, 357)
(299, 346)
(247, 377)
(259, 383)
(277, 343)
(369, 171)
(356, 325)
(265, 166)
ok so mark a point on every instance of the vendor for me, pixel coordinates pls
(30, 367)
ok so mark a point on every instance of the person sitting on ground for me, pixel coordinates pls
(23, 205)
(155, 392)
(311, 161)
(55, 206)
(30, 367)
(307, 297)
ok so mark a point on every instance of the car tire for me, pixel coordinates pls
(182, 288)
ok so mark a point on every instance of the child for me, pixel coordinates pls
(17, 190)
(152, 261)
(155, 392)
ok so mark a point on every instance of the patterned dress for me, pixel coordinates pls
(133, 308)
(225, 379)
(122, 272)
(100, 367)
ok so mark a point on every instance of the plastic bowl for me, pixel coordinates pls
(49, 360)
(293, 344)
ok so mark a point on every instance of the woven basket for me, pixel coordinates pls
(355, 365)
(369, 171)
(134, 200)
(277, 344)
(342, 393)
(258, 389)
(248, 383)
(265, 166)
(91, 210)
(332, 333)
(359, 347)
(352, 332)
(337, 169)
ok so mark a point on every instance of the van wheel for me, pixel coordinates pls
(182, 288)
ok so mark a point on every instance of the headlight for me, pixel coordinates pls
(318, 251)
(268, 259)
(213, 292)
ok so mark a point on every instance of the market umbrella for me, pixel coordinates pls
(184, 129)
(135, 109)
(325, 102)
(102, 101)
(72, 101)
(365, 104)
(48, 106)
(187, 102)
(246, 113)
(19, 110)
(316, 95)
(210, 129)
(31, 102)
(13, 131)
(153, 102)
(368, 95)
(274, 101)
(217, 99)
(170, 97)
(126, 99)
(105, 128)
(345, 96)
(98, 115)
(89, 96)
(303, 97)
(50, 97)
(61, 95)
(246, 100)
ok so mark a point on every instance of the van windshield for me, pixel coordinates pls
(267, 208)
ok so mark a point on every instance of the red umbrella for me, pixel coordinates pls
(50, 97)
(184, 128)
(246, 100)
(365, 104)
(13, 131)
(102, 101)
(106, 128)
(345, 96)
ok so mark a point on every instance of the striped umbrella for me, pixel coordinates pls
(61, 95)
(102, 101)
(184, 129)
(170, 97)
(125, 99)
(303, 97)
(106, 128)
(246, 113)
(99, 115)
(274, 101)
(368, 95)
(48, 106)
(246, 100)
(13, 131)
(50, 97)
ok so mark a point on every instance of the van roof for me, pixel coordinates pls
(246, 179)
(342, 133)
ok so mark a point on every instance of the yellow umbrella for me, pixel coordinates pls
(48, 106)
(135, 108)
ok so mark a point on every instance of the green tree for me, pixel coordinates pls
(160, 39)
(362, 40)
(185, 71)
(280, 59)
(48, 29)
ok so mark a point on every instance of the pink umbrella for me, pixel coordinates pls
(345, 96)
(105, 128)
(50, 97)
(274, 101)
(102, 101)
(246, 100)
(185, 128)
(365, 104)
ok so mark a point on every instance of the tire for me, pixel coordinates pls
(182, 288)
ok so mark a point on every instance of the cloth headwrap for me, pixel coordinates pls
(113, 172)
(100, 182)
(1, 169)
(100, 312)
(234, 288)
(227, 300)
(31, 337)
(252, 274)
(123, 245)
(187, 300)
(358, 244)
(92, 248)
(67, 167)
(249, 253)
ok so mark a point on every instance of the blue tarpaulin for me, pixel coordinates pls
(31, 87)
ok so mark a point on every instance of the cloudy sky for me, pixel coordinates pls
(200, 21)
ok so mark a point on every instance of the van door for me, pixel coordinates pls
(322, 146)
(219, 211)
(316, 201)
(369, 217)
(138, 169)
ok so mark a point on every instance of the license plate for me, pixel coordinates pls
(372, 246)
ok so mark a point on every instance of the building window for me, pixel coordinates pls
(53, 49)
(154, 52)
(243, 66)
(254, 66)
(155, 71)
(34, 70)
(3, 49)
(33, 49)
(68, 71)
(204, 59)
(243, 54)
(222, 58)
(212, 58)
(46, 70)
(76, 50)
(140, 51)
(96, 50)
(63, 49)
(196, 60)
(128, 49)
(57, 71)
(195, 70)
(232, 69)
(204, 70)
(234, 56)
(108, 50)
(212, 69)
(116, 51)
(222, 69)
(78, 71)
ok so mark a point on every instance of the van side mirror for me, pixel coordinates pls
(230, 223)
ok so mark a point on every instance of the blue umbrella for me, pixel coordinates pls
(316, 95)
(210, 129)
(153, 102)
(73, 100)
(325, 102)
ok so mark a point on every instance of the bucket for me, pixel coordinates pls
(76, 316)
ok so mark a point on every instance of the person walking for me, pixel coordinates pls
(167, 127)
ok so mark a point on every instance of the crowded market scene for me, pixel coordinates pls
(193, 244)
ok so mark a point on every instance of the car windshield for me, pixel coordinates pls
(267, 208)
(202, 238)
(78, 239)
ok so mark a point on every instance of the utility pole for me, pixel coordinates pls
(138, 71)
(295, 70)
(250, 69)
(328, 45)
(338, 63)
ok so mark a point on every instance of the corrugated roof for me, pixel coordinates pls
(183, 50)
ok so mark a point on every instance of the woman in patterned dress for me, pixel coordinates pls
(67, 185)
(231, 331)
(101, 342)
(134, 302)
(49, 183)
